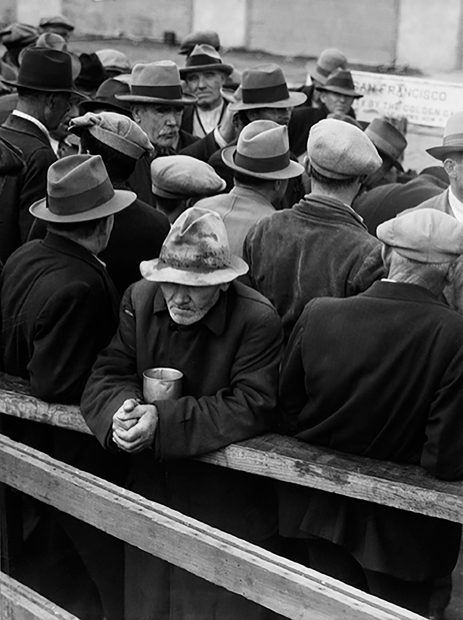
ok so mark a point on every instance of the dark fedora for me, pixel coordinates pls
(46, 70)
(105, 98)
(389, 141)
(204, 58)
(453, 138)
(79, 190)
(265, 87)
(157, 82)
(340, 82)
(92, 72)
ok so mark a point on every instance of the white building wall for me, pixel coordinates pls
(227, 17)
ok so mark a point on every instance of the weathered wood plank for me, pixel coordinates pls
(18, 602)
(276, 583)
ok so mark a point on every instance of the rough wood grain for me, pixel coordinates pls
(18, 602)
(263, 577)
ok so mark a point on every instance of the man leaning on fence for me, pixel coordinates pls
(381, 375)
(189, 313)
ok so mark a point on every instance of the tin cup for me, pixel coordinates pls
(162, 384)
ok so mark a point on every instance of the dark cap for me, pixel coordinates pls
(209, 37)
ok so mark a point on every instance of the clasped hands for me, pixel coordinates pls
(134, 426)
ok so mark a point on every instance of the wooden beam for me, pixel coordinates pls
(18, 602)
(278, 584)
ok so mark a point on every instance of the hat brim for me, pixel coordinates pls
(156, 271)
(97, 104)
(441, 152)
(340, 91)
(72, 91)
(186, 99)
(292, 170)
(292, 101)
(223, 68)
(122, 198)
(162, 193)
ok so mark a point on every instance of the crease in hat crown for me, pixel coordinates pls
(387, 139)
(157, 82)
(204, 58)
(340, 82)
(329, 60)
(196, 252)
(339, 150)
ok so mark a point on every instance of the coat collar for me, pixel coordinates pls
(325, 207)
(66, 246)
(401, 291)
(22, 125)
(252, 195)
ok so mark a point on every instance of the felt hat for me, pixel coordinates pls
(262, 152)
(339, 116)
(180, 176)
(18, 35)
(55, 41)
(116, 131)
(204, 58)
(79, 190)
(114, 60)
(56, 20)
(424, 235)
(196, 252)
(265, 87)
(341, 83)
(157, 82)
(92, 73)
(389, 141)
(338, 150)
(105, 98)
(328, 61)
(209, 37)
(46, 70)
(452, 141)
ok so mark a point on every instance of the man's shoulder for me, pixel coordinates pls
(439, 201)
(252, 300)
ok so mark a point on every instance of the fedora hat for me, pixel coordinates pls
(265, 87)
(92, 72)
(262, 152)
(157, 82)
(105, 98)
(452, 141)
(389, 141)
(79, 190)
(328, 61)
(340, 82)
(196, 252)
(45, 70)
(204, 58)
(209, 37)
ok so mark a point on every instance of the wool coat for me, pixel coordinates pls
(11, 166)
(379, 375)
(318, 248)
(230, 363)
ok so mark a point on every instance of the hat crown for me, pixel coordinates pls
(197, 242)
(19, 35)
(263, 146)
(111, 87)
(386, 137)
(265, 84)
(210, 37)
(182, 176)
(56, 20)
(203, 54)
(45, 69)
(157, 79)
(113, 59)
(331, 59)
(341, 78)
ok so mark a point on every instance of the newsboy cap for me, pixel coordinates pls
(210, 37)
(18, 35)
(424, 235)
(338, 150)
(180, 176)
(56, 20)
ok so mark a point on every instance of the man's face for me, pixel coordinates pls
(206, 85)
(453, 165)
(281, 116)
(189, 304)
(336, 102)
(58, 106)
(160, 122)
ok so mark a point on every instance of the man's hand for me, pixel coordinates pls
(134, 426)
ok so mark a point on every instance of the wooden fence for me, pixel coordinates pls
(274, 582)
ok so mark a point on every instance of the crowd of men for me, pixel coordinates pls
(262, 241)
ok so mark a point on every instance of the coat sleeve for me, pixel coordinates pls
(368, 269)
(191, 426)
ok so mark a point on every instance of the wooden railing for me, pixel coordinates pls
(274, 582)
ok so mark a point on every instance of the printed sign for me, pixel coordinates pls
(421, 101)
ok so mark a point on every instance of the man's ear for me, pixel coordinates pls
(135, 114)
(449, 166)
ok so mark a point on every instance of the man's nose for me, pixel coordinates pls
(180, 295)
(202, 81)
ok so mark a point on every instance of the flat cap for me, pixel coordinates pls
(210, 37)
(339, 150)
(56, 20)
(181, 176)
(114, 60)
(116, 131)
(18, 35)
(424, 235)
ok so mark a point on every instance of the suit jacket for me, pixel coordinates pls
(11, 166)
(38, 156)
(379, 375)
(188, 117)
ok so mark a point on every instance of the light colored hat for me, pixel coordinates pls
(265, 87)
(453, 138)
(55, 41)
(114, 60)
(157, 82)
(18, 35)
(79, 190)
(56, 20)
(209, 37)
(424, 235)
(388, 140)
(262, 152)
(341, 83)
(338, 150)
(116, 131)
(196, 252)
(204, 58)
(329, 60)
(181, 176)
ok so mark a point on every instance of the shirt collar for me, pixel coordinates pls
(34, 121)
(214, 320)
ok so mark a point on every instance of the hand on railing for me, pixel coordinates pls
(134, 426)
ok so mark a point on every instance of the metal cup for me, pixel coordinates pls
(161, 384)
